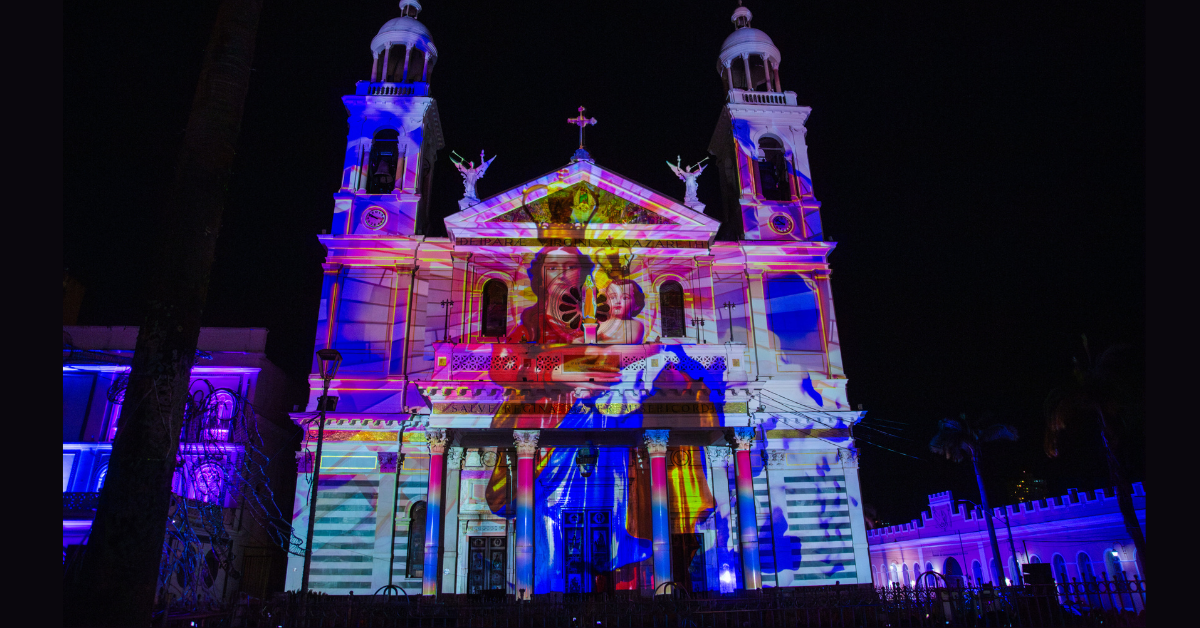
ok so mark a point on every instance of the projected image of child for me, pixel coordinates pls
(625, 301)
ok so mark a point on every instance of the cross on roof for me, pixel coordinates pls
(581, 122)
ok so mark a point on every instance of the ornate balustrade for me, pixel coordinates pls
(743, 97)
(366, 88)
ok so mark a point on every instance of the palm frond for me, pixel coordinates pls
(951, 440)
(999, 431)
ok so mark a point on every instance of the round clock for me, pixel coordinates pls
(781, 223)
(374, 218)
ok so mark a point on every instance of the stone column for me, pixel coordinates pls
(778, 83)
(387, 54)
(454, 459)
(718, 458)
(407, 54)
(425, 68)
(743, 438)
(437, 439)
(656, 445)
(729, 74)
(749, 79)
(374, 66)
(767, 71)
(526, 442)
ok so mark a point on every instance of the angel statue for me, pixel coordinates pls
(470, 174)
(688, 175)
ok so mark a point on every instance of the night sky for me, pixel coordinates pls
(980, 167)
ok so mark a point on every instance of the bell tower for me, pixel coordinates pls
(394, 135)
(758, 145)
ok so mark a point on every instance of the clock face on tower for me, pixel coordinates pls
(374, 218)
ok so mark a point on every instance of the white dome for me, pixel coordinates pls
(750, 41)
(404, 31)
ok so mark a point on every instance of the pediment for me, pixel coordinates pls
(582, 197)
(583, 203)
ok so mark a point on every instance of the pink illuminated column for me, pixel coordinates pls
(747, 521)
(526, 442)
(437, 438)
(656, 445)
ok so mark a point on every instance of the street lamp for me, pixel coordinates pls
(330, 359)
(1012, 548)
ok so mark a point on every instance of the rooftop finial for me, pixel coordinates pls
(409, 8)
(581, 122)
(741, 17)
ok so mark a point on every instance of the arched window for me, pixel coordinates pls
(772, 166)
(905, 581)
(495, 309)
(977, 572)
(1084, 562)
(385, 154)
(1014, 568)
(670, 302)
(928, 567)
(415, 563)
(1034, 560)
(952, 572)
(1060, 569)
(916, 572)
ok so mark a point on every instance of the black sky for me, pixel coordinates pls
(981, 168)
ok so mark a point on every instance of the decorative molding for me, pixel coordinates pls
(387, 461)
(743, 438)
(437, 438)
(454, 458)
(304, 461)
(526, 442)
(656, 441)
(776, 459)
(719, 456)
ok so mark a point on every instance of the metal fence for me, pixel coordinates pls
(1095, 603)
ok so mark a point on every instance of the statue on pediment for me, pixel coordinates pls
(688, 175)
(470, 174)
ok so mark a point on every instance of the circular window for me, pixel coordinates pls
(374, 218)
(781, 223)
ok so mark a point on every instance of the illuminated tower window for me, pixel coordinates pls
(381, 174)
(670, 300)
(773, 179)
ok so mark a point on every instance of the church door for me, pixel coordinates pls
(587, 551)
(687, 561)
(487, 563)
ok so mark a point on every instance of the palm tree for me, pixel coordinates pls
(956, 439)
(118, 578)
(1100, 394)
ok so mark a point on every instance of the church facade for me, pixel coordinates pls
(588, 386)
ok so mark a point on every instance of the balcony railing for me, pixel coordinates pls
(367, 88)
(80, 503)
(743, 97)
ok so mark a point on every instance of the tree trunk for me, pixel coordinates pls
(1124, 489)
(119, 576)
(990, 526)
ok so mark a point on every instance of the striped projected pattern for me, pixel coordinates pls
(344, 536)
(818, 518)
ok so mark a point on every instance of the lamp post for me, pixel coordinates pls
(1012, 548)
(700, 329)
(330, 359)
